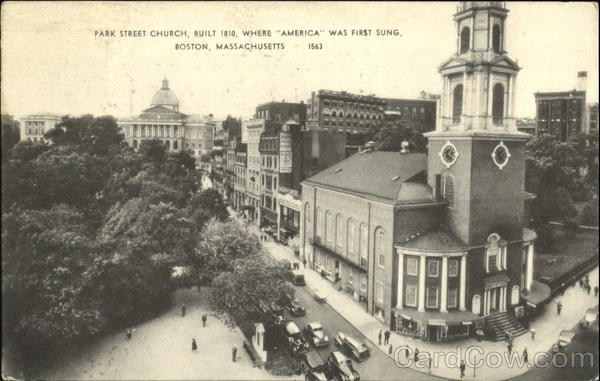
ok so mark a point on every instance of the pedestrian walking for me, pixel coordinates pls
(462, 369)
(128, 333)
(525, 356)
(304, 262)
(506, 336)
(558, 308)
(390, 350)
(588, 288)
(204, 320)
(234, 353)
(509, 347)
(596, 291)
(387, 337)
(194, 345)
(379, 336)
(416, 358)
(183, 309)
(532, 334)
(429, 363)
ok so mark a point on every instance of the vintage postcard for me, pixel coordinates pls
(299, 190)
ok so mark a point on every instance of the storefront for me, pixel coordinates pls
(436, 326)
(289, 214)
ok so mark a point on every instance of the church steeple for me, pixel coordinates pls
(480, 27)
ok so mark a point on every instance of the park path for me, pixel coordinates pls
(161, 350)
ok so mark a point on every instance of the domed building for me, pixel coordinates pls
(163, 121)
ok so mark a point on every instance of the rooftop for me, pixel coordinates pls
(434, 239)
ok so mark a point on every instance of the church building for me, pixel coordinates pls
(436, 245)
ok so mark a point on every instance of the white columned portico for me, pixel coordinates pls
(422, 274)
(399, 302)
(444, 291)
(463, 283)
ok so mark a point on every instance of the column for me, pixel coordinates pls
(509, 98)
(463, 283)
(421, 307)
(399, 302)
(529, 278)
(465, 103)
(444, 290)
(486, 310)
(503, 307)
(490, 97)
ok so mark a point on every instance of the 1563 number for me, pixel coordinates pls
(316, 46)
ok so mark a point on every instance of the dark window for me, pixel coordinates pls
(498, 104)
(449, 190)
(457, 101)
(496, 38)
(465, 39)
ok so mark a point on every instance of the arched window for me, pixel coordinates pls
(380, 247)
(363, 246)
(350, 238)
(329, 227)
(338, 232)
(457, 100)
(496, 38)
(495, 253)
(319, 223)
(465, 39)
(448, 189)
(476, 305)
(307, 218)
(498, 104)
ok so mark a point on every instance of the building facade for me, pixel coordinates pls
(561, 114)
(163, 121)
(33, 127)
(253, 129)
(421, 113)
(436, 245)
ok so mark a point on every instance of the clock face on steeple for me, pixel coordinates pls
(448, 154)
(500, 155)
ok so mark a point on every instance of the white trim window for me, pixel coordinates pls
(452, 297)
(338, 232)
(379, 292)
(412, 266)
(328, 227)
(363, 238)
(433, 268)
(452, 268)
(363, 282)
(380, 247)
(350, 238)
(411, 295)
(432, 297)
(492, 253)
(319, 223)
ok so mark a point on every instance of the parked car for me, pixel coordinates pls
(564, 339)
(298, 278)
(316, 335)
(286, 264)
(315, 367)
(341, 367)
(358, 350)
(319, 296)
(591, 315)
(295, 340)
(292, 306)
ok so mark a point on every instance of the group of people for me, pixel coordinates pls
(585, 284)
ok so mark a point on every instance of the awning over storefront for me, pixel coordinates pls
(496, 280)
(539, 294)
(438, 318)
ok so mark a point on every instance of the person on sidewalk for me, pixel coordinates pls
(462, 369)
(390, 350)
(183, 309)
(234, 353)
(379, 336)
(596, 291)
(128, 334)
(525, 356)
(304, 262)
(194, 345)
(588, 289)
(204, 320)
(386, 336)
(532, 332)
(509, 347)
(429, 363)
(558, 308)
(416, 357)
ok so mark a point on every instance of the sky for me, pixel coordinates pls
(53, 61)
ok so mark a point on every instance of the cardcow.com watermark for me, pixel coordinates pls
(476, 357)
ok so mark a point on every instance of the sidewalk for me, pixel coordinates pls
(575, 302)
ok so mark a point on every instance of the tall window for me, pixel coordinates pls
(411, 295)
(448, 190)
(379, 292)
(338, 231)
(319, 223)
(452, 297)
(452, 267)
(363, 282)
(498, 104)
(465, 39)
(432, 297)
(329, 227)
(363, 246)
(457, 100)
(380, 247)
(433, 268)
(412, 266)
(496, 38)
(492, 253)
(350, 231)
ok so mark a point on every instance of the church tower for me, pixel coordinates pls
(476, 159)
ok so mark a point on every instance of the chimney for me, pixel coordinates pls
(404, 147)
(582, 81)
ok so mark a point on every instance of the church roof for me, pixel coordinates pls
(433, 239)
(384, 176)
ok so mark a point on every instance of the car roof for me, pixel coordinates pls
(291, 327)
(354, 342)
(339, 356)
(313, 358)
(315, 324)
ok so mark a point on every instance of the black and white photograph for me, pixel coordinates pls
(300, 191)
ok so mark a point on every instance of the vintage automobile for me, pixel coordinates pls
(296, 343)
(358, 350)
(340, 367)
(591, 315)
(316, 335)
(564, 339)
(292, 306)
(319, 296)
(314, 367)
(298, 278)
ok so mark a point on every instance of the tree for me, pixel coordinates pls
(222, 243)
(239, 295)
(389, 135)
(154, 152)
(95, 135)
(205, 205)
(10, 136)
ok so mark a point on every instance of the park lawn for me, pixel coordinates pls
(566, 253)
